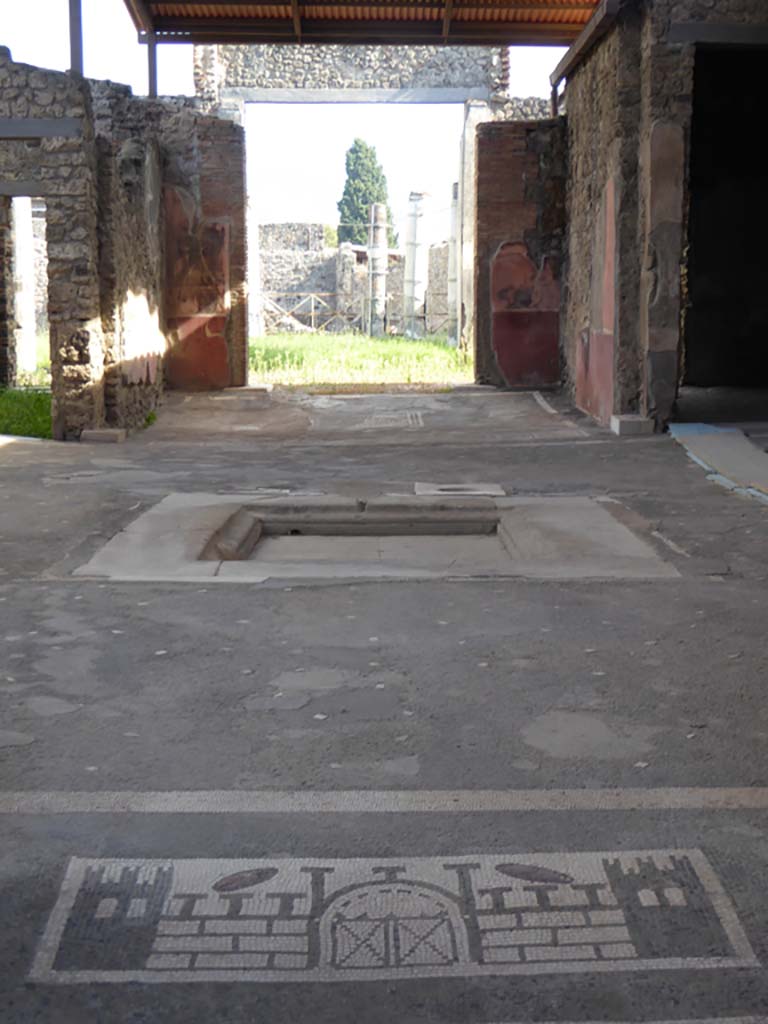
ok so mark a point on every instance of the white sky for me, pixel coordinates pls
(298, 175)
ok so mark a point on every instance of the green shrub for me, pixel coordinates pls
(25, 413)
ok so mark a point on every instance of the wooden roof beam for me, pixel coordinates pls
(374, 33)
(536, 6)
(598, 25)
(447, 11)
(372, 37)
(141, 15)
(296, 16)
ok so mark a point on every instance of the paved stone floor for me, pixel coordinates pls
(459, 801)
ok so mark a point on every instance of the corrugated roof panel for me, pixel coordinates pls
(499, 12)
(368, 13)
(525, 20)
(238, 11)
(546, 12)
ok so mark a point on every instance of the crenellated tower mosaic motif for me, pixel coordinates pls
(325, 920)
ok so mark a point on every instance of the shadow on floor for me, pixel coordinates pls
(746, 408)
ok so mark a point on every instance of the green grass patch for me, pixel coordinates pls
(296, 360)
(25, 413)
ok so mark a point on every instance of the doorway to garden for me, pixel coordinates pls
(25, 356)
(354, 246)
(30, 273)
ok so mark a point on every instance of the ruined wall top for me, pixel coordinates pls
(521, 108)
(295, 236)
(478, 70)
(30, 91)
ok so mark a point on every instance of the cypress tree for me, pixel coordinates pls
(365, 184)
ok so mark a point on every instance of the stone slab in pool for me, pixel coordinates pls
(375, 556)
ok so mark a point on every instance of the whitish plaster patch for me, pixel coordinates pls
(760, 1019)
(9, 738)
(49, 707)
(573, 734)
(316, 679)
(277, 702)
(322, 919)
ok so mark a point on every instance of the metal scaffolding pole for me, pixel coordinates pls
(76, 36)
(152, 64)
(378, 256)
(453, 264)
(416, 257)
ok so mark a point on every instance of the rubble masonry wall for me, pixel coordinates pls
(629, 107)
(317, 66)
(112, 309)
(62, 170)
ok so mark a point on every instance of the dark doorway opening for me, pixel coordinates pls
(725, 362)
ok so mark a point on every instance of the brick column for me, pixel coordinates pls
(208, 323)
(223, 198)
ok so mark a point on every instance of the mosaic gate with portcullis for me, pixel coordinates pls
(353, 919)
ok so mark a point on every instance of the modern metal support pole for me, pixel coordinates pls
(256, 297)
(416, 256)
(378, 257)
(76, 36)
(152, 63)
(453, 266)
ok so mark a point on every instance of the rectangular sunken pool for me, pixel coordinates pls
(239, 538)
(401, 542)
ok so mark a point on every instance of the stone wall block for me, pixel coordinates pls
(663, 275)
(667, 166)
(629, 110)
(353, 67)
(667, 77)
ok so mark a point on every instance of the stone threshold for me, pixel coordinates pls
(727, 455)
